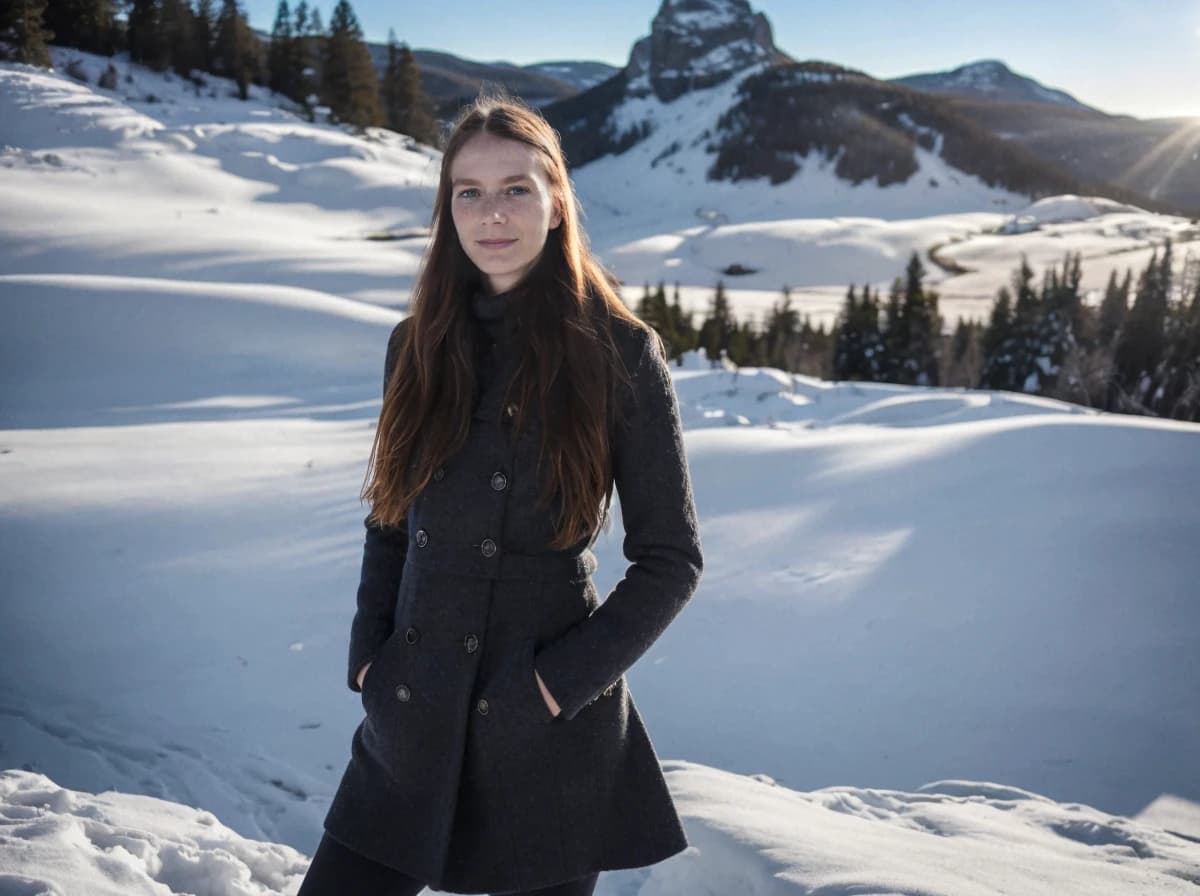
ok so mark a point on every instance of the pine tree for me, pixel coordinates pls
(202, 34)
(1178, 393)
(895, 335)
(681, 325)
(146, 34)
(1140, 345)
(780, 336)
(922, 326)
(86, 24)
(350, 85)
(718, 327)
(406, 107)
(1114, 307)
(22, 27)
(178, 23)
(998, 343)
(281, 53)
(307, 42)
(234, 50)
(847, 350)
(1053, 336)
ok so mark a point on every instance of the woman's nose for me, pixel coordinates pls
(492, 208)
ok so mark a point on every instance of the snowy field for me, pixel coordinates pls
(944, 642)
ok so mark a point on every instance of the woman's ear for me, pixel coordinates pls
(555, 217)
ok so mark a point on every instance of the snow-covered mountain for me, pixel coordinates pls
(768, 118)
(993, 80)
(695, 44)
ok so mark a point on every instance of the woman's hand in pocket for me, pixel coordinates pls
(555, 709)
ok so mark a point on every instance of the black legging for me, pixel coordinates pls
(336, 871)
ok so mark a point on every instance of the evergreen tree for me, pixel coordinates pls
(406, 107)
(681, 326)
(963, 360)
(998, 342)
(1140, 344)
(1114, 307)
(22, 27)
(780, 342)
(179, 37)
(282, 55)
(895, 335)
(203, 36)
(230, 50)
(922, 326)
(1024, 348)
(742, 344)
(146, 35)
(350, 85)
(847, 351)
(1178, 376)
(86, 24)
(307, 42)
(717, 328)
(1054, 331)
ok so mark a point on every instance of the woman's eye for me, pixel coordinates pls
(468, 193)
(519, 189)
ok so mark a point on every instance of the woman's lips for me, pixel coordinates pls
(495, 244)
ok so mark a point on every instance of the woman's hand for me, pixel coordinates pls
(362, 673)
(555, 709)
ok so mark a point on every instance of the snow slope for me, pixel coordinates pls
(902, 585)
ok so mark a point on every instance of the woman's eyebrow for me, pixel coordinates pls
(507, 180)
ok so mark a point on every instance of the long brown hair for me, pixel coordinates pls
(566, 359)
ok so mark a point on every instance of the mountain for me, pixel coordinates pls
(581, 75)
(993, 80)
(775, 115)
(695, 44)
(1156, 158)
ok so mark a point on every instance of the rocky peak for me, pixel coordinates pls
(698, 43)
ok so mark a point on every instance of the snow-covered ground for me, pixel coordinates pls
(748, 835)
(916, 603)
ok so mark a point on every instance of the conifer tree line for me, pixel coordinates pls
(310, 64)
(1137, 352)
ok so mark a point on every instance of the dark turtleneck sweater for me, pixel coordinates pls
(488, 310)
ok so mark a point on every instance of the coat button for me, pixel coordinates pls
(482, 706)
(411, 635)
(422, 538)
(499, 482)
(510, 410)
(439, 474)
(403, 693)
(471, 642)
(488, 548)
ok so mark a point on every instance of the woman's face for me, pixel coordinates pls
(502, 207)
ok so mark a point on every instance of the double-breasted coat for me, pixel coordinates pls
(460, 775)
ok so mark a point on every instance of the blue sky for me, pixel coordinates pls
(1138, 57)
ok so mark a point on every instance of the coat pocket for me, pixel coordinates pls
(527, 696)
(376, 672)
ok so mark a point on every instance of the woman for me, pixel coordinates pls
(502, 751)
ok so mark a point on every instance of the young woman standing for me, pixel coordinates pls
(501, 750)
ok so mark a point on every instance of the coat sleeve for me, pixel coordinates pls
(662, 543)
(384, 552)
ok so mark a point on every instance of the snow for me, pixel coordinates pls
(943, 642)
(747, 833)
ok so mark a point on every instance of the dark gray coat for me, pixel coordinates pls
(459, 774)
